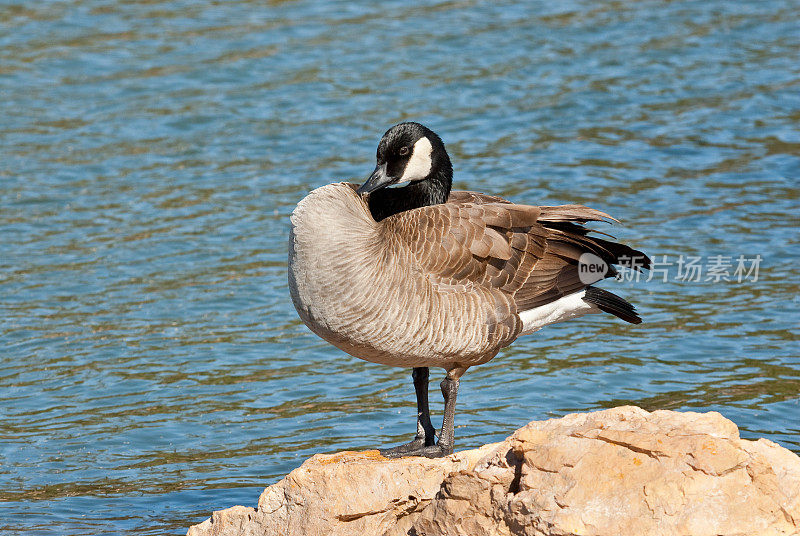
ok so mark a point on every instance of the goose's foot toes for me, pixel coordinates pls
(417, 447)
(403, 450)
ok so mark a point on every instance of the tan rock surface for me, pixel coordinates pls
(619, 471)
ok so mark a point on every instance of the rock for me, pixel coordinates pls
(619, 471)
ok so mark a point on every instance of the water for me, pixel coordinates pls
(153, 368)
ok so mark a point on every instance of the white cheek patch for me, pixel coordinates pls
(419, 165)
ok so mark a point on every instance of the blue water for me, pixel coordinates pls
(153, 368)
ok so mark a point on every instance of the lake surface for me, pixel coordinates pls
(153, 368)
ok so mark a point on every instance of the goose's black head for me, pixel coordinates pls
(408, 153)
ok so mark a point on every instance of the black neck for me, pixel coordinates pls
(432, 190)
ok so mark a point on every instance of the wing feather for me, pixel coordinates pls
(522, 256)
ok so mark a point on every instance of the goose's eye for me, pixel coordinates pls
(404, 150)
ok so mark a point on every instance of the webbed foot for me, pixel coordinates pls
(417, 447)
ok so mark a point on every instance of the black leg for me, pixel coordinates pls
(447, 435)
(423, 443)
(425, 429)
(425, 433)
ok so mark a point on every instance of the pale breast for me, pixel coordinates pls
(361, 289)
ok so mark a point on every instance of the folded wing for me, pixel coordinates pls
(524, 256)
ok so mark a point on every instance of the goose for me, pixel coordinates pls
(420, 276)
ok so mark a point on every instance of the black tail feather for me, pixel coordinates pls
(613, 304)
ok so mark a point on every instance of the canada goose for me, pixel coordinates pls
(420, 276)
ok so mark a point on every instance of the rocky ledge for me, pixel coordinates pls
(619, 471)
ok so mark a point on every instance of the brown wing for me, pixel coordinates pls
(528, 254)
